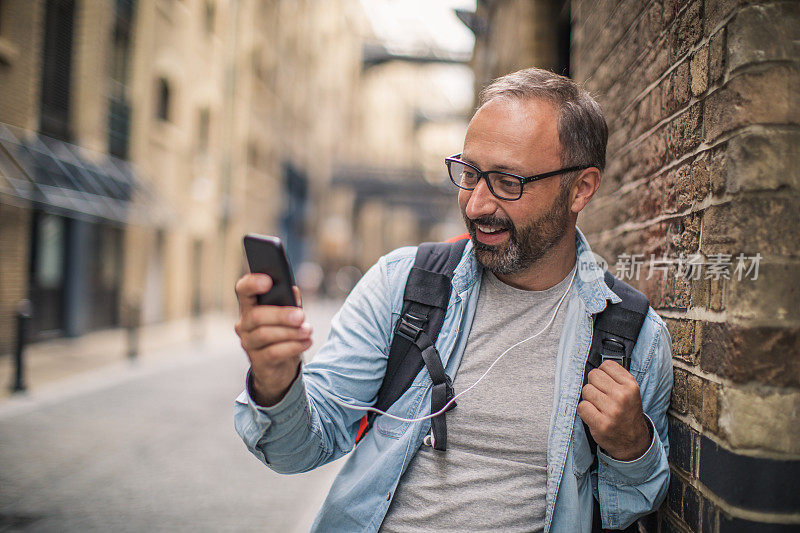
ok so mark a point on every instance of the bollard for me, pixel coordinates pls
(23, 315)
(132, 326)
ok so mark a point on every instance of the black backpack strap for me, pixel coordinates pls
(614, 335)
(616, 329)
(427, 294)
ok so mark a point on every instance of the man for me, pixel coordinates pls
(517, 457)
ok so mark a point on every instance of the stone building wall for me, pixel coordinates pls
(703, 107)
(702, 181)
(19, 92)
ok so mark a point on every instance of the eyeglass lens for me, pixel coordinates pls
(501, 185)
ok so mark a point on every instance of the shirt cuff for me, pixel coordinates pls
(635, 471)
(293, 401)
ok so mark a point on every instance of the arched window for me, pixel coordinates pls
(163, 99)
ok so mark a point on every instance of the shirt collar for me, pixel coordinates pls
(589, 282)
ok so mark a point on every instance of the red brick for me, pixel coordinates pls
(651, 23)
(675, 94)
(682, 332)
(648, 156)
(687, 30)
(677, 292)
(683, 133)
(717, 294)
(700, 177)
(683, 234)
(694, 399)
(718, 169)
(683, 187)
(716, 11)
(679, 400)
(743, 354)
(698, 67)
(717, 56)
(701, 297)
(710, 414)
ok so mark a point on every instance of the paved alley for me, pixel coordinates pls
(149, 446)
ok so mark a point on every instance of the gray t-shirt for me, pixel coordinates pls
(493, 476)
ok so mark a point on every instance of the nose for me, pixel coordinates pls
(481, 201)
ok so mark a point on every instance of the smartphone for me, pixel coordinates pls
(265, 255)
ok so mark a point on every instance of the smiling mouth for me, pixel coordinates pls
(489, 230)
(490, 235)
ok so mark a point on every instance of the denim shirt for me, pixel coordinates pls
(305, 429)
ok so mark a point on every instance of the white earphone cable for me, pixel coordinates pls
(447, 405)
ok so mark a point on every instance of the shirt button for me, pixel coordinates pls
(388, 496)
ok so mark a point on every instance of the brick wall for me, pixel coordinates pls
(703, 103)
(20, 31)
(14, 255)
(703, 106)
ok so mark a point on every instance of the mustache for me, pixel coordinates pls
(491, 221)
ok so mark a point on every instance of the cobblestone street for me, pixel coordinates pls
(149, 446)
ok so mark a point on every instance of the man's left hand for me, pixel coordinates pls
(611, 406)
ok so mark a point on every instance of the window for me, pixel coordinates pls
(55, 93)
(163, 100)
(119, 112)
(203, 127)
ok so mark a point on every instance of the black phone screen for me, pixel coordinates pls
(266, 255)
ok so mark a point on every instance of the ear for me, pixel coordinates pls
(583, 188)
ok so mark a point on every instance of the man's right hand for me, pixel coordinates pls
(274, 338)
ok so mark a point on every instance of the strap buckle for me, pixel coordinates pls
(408, 329)
(613, 350)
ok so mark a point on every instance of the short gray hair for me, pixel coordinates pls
(582, 128)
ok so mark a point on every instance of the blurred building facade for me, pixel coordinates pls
(702, 102)
(67, 190)
(209, 119)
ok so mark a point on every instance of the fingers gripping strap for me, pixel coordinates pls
(615, 332)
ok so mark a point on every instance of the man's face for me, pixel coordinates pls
(519, 137)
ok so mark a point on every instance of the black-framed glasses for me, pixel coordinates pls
(502, 185)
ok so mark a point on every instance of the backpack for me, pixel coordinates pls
(425, 301)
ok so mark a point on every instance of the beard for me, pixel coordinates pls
(525, 245)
